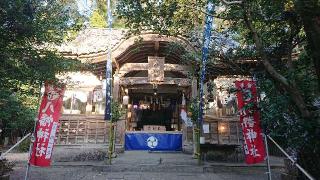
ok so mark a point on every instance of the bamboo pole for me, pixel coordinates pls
(198, 153)
(110, 151)
(109, 60)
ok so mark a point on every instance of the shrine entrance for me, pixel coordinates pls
(154, 110)
(154, 99)
(152, 83)
(154, 113)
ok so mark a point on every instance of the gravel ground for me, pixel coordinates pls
(142, 166)
(90, 173)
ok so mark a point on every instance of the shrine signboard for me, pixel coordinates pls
(156, 69)
(249, 118)
(47, 126)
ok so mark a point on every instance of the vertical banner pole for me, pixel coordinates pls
(110, 142)
(26, 177)
(268, 157)
(254, 79)
(114, 139)
(108, 110)
(205, 49)
(32, 134)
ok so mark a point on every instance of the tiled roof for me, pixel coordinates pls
(93, 40)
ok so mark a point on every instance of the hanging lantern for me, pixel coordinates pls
(125, 100)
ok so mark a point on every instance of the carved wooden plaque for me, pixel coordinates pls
(156, 69)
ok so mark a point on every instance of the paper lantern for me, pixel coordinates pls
(125, 100)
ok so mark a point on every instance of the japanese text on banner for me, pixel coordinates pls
(47, 125)
(250, 121)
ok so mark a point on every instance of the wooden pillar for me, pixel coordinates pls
(115, 90)
(89, 103)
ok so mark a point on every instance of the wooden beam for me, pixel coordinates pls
(156, 48)
(128, 67)
(159, 91)
(177, 67)
(150, 86)
(144, 80)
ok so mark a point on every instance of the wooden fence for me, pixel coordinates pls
(92, 129)
(223, 130)
(84, 129)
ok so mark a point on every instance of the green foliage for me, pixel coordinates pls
(17, 113)
(193, 108)
(99, 17)
(29, 33)
(176, 17)
(281, 118)
(24, 145)
(279, 27)
(97, 20)
(117, 111)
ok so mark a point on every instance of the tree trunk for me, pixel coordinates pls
(291, 88)
(309, 10)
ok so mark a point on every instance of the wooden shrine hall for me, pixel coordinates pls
(150, 80)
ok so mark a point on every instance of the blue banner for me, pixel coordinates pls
(205, 50)
(153, 141)
(108, 109)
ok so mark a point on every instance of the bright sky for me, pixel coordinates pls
(85, 7)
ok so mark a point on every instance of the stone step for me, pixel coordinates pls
(221, 168)
(285, 176)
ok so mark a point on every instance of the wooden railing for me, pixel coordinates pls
(92, 129)
(223, 130)
(85, 129)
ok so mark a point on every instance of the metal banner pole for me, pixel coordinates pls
(26, 177)
(291, 159)
(268, 157)
(32, 135)
(254, 79)
(5, 153)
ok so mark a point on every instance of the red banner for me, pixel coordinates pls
(250, 121)
(47, 125)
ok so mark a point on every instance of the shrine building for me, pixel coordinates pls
(152, 82)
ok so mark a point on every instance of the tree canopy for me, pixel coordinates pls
(98, 19)
(29, 32)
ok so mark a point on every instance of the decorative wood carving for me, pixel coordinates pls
(145, 80)
(128, 67)
(155, 69)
